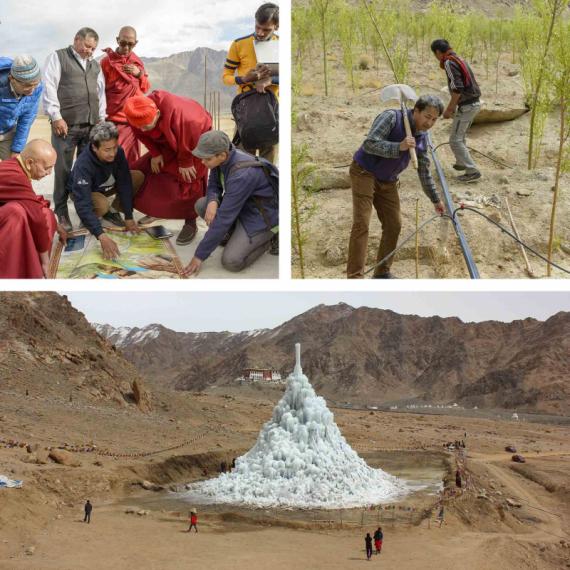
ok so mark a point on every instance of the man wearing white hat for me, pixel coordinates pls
(20, 92)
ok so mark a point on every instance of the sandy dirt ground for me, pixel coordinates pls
(334, 127)
(42, 522)
(266, 267)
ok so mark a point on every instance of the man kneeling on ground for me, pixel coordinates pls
(100, 171)
(238, 197)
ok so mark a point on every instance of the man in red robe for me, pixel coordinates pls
(168, 180)
(125, 77)
(27, 225)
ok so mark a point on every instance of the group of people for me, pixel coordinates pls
(385, 154)
(378, 540)
(101, 115)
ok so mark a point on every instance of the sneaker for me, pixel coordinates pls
(147, 220)
(115, 219)
(64, 221)
(459, 167)
(386, 275)
(187, 233)
(471, 177)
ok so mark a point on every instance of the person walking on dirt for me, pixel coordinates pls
(378, 538)
(368, 542)
(463, 106)
(374, 174)
(458, 479)
(193, 520)
(88, 508)
(441, 516)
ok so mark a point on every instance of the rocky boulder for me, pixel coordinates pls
(64, 458)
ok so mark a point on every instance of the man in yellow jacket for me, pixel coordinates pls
(242, 69)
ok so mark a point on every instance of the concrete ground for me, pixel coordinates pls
(266, 267)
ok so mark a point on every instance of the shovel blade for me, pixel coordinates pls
(399, 92)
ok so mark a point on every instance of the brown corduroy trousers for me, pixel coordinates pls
(368, 191)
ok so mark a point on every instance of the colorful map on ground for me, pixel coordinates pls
(142, 257)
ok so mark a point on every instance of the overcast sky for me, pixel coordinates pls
(198, 312)
(164, 26)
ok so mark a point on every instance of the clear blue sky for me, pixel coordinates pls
(198, 311)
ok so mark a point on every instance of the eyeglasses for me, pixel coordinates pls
(123, 44)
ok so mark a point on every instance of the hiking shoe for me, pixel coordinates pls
(114, 218)
(187, 233)
(147, 220)
(459, 167)
(64, 221)
(386, 275)
(471, 177)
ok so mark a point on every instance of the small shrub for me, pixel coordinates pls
(364, 62)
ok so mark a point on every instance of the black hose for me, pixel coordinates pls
(408, 238)
(452, 218)
(481, 153)
(513, 236)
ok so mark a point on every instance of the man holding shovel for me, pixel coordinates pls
(396, 137)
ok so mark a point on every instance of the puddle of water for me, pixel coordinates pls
(424, 473)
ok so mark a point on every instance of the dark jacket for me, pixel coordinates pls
(461, 81)
(88, 175)
(241, 186)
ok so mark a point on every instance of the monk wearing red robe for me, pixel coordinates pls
(125, 77)
(169, 178)
(27, 225)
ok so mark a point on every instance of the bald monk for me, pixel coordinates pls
(125, 77)
(169, 177)
(27, 225)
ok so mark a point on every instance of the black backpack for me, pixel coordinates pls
(257, 119)
(272, 174)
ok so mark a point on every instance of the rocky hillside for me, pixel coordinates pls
(48, 349)
(375, 356)
(183, 74)
(161, 354)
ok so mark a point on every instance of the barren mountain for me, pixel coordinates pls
(375, 356)
(183, 74)
(48, 349)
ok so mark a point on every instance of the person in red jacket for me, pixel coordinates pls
(193, 520)
(27, 225)
(169, 179)
(125, 77)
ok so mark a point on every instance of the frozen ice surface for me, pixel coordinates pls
(301, 460)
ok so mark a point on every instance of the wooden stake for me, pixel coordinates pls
(219, 111)
(417, 238)
(205, 79)
(529, 270)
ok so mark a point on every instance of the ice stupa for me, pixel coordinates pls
(301, 460)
